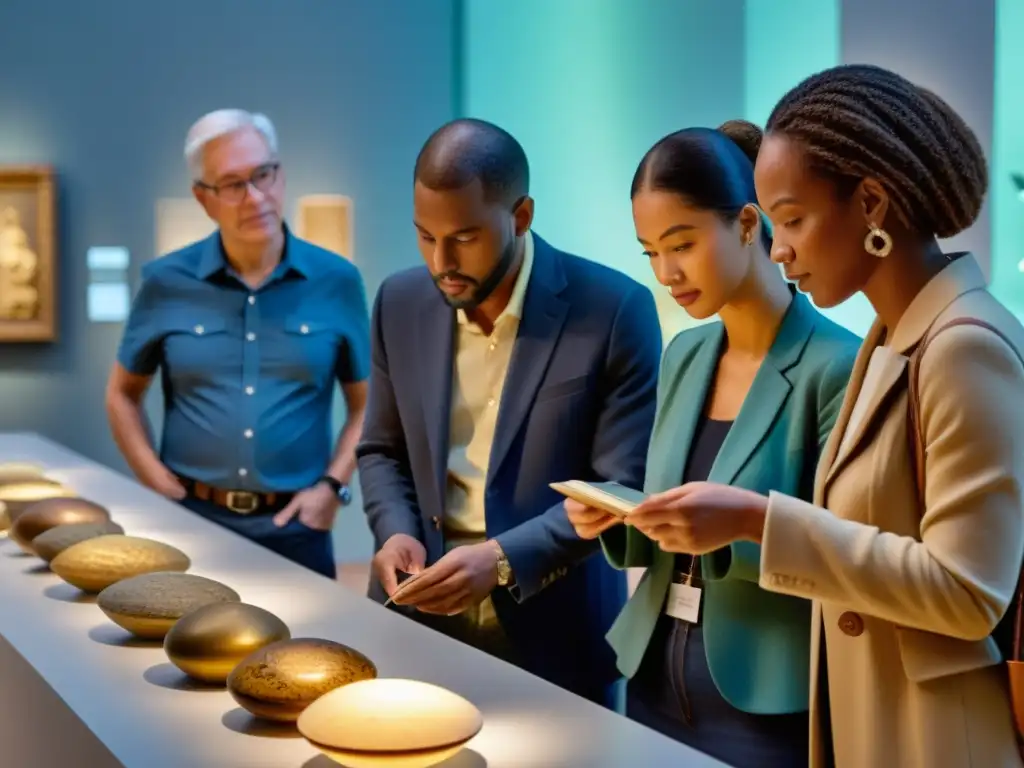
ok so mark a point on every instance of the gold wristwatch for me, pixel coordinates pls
(503, 565)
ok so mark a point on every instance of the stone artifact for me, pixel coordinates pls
(49, 513)
(95, 564)
(148, 605)
(209, 642)
(404, 723)
(51, 543)
(19, 496)
(280, 680)
(19, 472)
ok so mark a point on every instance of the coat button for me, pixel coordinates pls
(436, 522)
(851, 624)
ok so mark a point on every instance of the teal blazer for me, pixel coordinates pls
(757, 642)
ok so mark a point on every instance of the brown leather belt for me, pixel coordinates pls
(239, 502)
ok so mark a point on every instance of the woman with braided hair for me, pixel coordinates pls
(912, 549)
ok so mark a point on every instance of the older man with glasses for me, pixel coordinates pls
(250, 328)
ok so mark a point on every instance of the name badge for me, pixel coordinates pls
(683, 603)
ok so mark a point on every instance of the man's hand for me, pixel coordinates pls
(589, 522)
(459, 580)
(164, 482)
(315, 507)
(400, 553)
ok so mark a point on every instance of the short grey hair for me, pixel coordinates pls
(222, 122)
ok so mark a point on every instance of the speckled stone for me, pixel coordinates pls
(54, 541)
(150, 604)
(280, 680)
(95, 564)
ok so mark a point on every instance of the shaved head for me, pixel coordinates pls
(468, 150)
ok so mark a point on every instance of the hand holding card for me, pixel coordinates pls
(593, 508)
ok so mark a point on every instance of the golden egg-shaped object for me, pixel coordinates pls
(209, 642)
(20, 471)
(390, 722)
(149, 604)
(19, 496)
(49, 513)
(280, 680)
(51, 543)
(95, 564)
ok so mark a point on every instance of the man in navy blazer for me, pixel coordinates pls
(502, 366)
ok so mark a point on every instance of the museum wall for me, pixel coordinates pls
(105, 92)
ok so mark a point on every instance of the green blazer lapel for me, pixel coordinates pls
(682, 404)
(768, 393)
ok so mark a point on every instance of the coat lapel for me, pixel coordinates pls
(435, 334)
(544, 314)
(874, 393)
(768, 393)
(961, 275)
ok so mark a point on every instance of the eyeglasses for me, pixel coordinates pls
(234, 192)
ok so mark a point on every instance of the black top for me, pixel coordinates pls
(707, 442)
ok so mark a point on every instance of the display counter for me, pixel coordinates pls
(77, 692)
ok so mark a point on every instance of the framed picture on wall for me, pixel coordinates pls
(28, 265)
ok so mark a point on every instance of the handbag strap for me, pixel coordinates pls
(918, 439)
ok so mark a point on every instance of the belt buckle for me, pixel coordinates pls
(242, 502)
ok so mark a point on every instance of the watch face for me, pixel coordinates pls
(344, 495)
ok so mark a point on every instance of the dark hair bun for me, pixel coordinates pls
(745, 135)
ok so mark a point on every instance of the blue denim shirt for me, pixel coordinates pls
(248, 375)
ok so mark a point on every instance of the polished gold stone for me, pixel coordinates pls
(19, 496)
(19, 472)
(49, 513)
(95, 564)
(390, 722)
(280, 680)
(51, 543)
(148, 605)
(209, 642)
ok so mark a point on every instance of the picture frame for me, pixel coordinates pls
(327, 221)
(28, 254)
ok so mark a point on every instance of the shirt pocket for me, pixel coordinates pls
(309, 349)
(198, 349)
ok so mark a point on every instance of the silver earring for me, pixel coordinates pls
(871, 242)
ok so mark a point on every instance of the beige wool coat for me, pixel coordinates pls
(905, 602)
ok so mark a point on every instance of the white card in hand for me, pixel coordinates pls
(683, 603)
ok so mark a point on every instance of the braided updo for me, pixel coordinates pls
(857, 121)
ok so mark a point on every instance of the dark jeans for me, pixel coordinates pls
(675, 676)
(295, 541)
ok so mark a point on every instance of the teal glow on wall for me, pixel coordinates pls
(1008, 157)
(787, 40)
(587, 86)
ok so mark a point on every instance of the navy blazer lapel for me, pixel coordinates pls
(540, 327)
(682, 406)
(768, 392)
(435, 337)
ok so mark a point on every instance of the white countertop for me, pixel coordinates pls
(140, 708)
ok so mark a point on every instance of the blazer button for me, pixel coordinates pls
(851, 624)
(436, 522)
